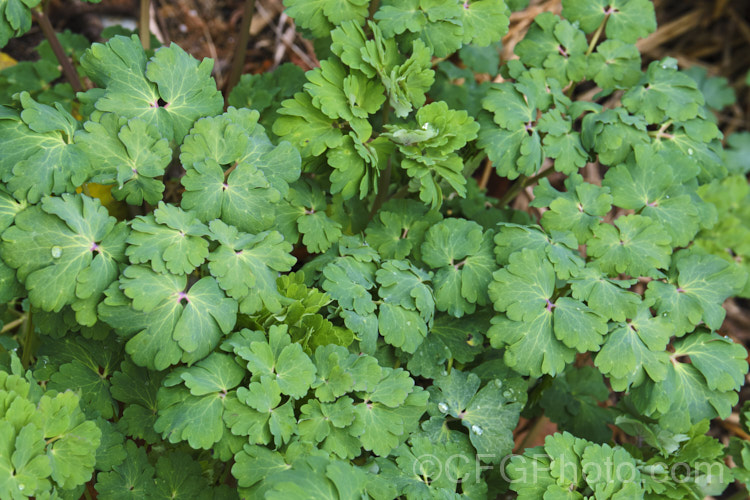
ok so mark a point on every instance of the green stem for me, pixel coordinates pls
(28, 341)
(67, 67)
(521, 183)
(143, 24)
(512, 192)
(438, 60)
(238, 60)
(658, 134)
(597, 35)
(52, 440)
(386, 114)
(383, 183)
(16, 322)
(592, 46)
(401, 193)
(385, 180)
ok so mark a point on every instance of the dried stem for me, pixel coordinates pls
(485, 174)
(67, 66)
(374, 6)
(143, 24)
(238, 60)
(535, 430)
(28, 341)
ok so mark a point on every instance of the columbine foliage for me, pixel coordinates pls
(306, 293)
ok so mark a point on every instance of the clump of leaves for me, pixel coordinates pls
(308, 294)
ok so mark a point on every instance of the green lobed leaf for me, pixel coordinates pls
(276, 359)
(572, 402)
(15, 19)
(67, 251)
(627, 20)
(634, 349)
(137, 387)
(647, 185)
(170, 239)
(697, 291)
(489, 413)
(261, 257)
(72, 440)
(134, 89)
(556, 45)
(397, 230)
(721, 361)
(636, 246)
(306, 127)
(579, 209)
(609, 298)
(664, 93)
(180, 322)
(37, 143)
(321, 16)
(319, 231)
(133, 478)
(184, 417)
(128, 152)
(461, 254)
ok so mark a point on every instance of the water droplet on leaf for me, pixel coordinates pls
(56, 252)
(690, 151)
(443, 407)
(507, 394)
(476, 430)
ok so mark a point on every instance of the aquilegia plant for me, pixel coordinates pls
(308, 295)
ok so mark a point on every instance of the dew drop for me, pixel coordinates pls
(21, 487)
(690, 151)
(443, 407)
(477, 430)
(56, 252)
(507, 394)
(408, 323)
(667, 197)
(445, 373)
(498, 383)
